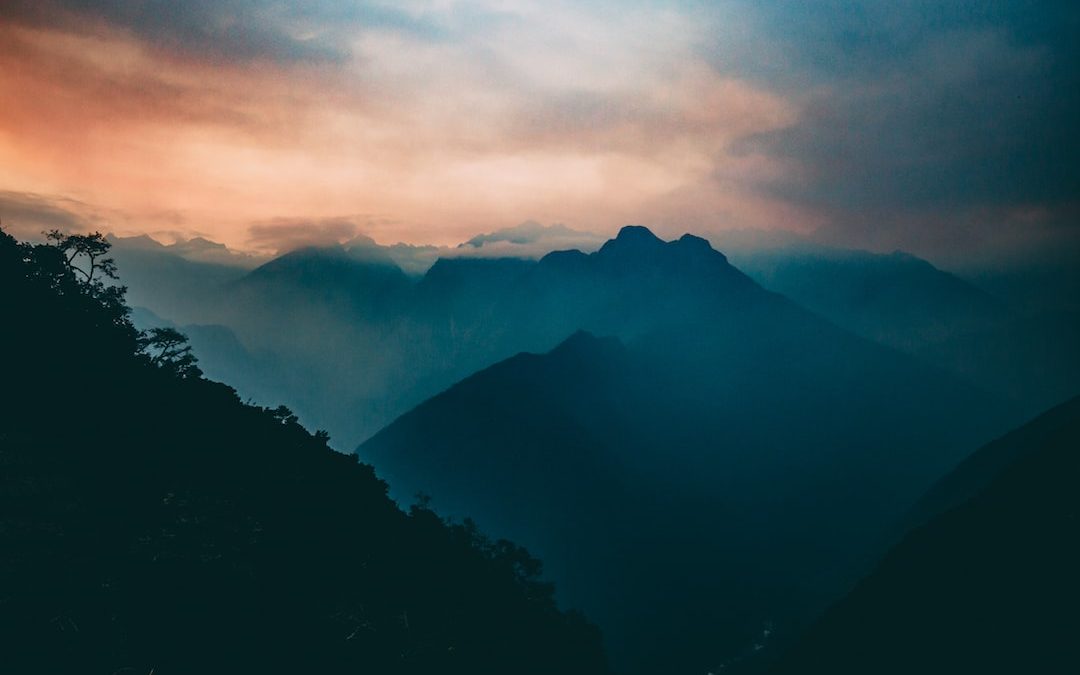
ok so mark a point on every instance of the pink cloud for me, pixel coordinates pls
(436, 142)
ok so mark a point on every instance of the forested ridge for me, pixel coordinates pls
(150, 521)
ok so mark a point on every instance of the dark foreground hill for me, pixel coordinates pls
(151, 522)
(987, 586)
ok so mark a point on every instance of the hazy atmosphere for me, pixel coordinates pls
(539, 338)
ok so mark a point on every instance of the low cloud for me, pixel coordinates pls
(531, 239)
(26, 215)
(526, 240)
(282, 235)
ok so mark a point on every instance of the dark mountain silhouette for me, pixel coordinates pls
(986, 586)
(464, 314)
(731, 463)
(896, 299)
(1021, 347)
(151, 522)
(744, 404)
(760, 415)
(365, 342)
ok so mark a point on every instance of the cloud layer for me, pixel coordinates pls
(929, 126)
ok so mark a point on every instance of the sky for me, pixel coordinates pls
(942, 128)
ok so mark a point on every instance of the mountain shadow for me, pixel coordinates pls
(726, 465)
(988, 585)
(151, 522)
(350, 342)
(1016, 347)
(896, 299)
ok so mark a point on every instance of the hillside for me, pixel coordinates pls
(987, 586)
(350, 343)
(896, 299)
(981, 468)
(1021, 348)
(151, 522)
(733, 466)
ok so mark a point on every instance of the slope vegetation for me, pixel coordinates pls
(151, 522)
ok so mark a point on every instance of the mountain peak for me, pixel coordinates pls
(694, 240)
(633, 238)
(201, 242)
(330, 267)
(139, 241)
(695, 243)
(637, 233)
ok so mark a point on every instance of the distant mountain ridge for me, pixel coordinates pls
(725, 408)
(719, 407)
(1019, 350)
(897, 299)
(354, 302)
(355, 321)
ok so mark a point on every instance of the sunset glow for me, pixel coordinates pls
(428, 122)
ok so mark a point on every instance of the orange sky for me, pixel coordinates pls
(428, 121)
(413, 141)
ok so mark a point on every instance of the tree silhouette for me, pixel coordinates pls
(168, 348)
(165, 526)
(85, 254)
(78, 264)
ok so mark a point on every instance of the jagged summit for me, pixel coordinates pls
(695, 243)
(636, 233)
(632, 238)
(140, 241)
(640, 240)
(645, 260)
(636, 250)
(569, 259)
(203, 243)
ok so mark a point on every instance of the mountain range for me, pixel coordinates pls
(691, 379)
(367, 342)
(704, 464)
(687, 398)
(1018, 343)
(711, 421)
